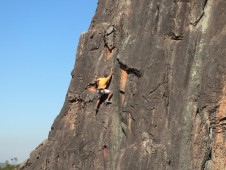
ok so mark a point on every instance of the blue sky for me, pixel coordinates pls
(38, 41)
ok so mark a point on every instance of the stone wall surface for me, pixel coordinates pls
(168, 108)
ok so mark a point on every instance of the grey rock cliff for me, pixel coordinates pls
(169, 86)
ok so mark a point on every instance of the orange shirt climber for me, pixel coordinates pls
(103, 82)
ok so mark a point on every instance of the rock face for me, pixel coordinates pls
(169, 85)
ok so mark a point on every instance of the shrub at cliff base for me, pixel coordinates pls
(9, 167)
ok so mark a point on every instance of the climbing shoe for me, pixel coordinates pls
(108, 102)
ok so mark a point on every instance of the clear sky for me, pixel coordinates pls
(38, 41)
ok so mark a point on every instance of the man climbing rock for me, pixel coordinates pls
(102, 84)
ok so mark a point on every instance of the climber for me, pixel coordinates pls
(102, 84)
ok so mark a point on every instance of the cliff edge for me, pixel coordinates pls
(168, 107)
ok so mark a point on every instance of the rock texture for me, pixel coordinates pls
(169, 85)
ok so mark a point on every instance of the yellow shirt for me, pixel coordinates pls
(102, 82)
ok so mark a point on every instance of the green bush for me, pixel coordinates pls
(9, 167)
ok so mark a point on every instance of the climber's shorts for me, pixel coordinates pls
(101, 92)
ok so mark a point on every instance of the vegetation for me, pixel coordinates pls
(9, 167)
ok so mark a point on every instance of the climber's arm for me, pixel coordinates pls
(111, 73)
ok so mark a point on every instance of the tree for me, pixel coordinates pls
(6, 162)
